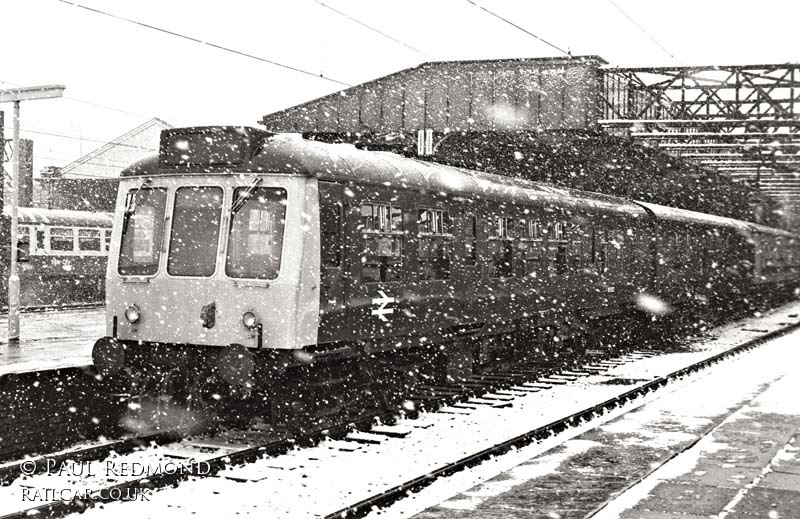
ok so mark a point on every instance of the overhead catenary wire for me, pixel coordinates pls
(77, 138)
(103, 162)
(115, 165)
(81, 175)
(371, 28)
(74, 137)
(107, 107)
(203, 42)
(626, 15)
(509, 22)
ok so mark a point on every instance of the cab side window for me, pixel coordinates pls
(382, 255)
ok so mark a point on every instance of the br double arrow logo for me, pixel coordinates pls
(382, 311)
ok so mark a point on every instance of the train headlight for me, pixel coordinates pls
(249, 320)
(132, 314)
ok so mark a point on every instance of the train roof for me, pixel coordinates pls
(290, 153)
(235, 150)
(662, 212)
(65, 217)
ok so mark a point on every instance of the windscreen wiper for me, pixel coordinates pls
(244, 197)
(133, 204)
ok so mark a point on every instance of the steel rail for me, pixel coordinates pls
(12, 470)
(193, 469)
(211, 466)
(398, 492)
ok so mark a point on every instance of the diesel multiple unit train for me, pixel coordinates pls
(305, 278)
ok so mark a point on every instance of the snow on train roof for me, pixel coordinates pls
(685, 215)
(65, 217)
(290, 153)
(693, 217)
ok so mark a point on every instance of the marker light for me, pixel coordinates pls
(249, 320)
(132, 314)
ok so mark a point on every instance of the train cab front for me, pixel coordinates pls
(211, 277)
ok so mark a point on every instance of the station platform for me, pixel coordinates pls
(51, 340)
(724, 443)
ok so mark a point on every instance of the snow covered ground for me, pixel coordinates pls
(764, 380)
(315, 481)
(52, 340)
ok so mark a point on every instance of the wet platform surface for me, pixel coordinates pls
(725, 443)
(51, 340)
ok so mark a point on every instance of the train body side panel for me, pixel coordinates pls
(309, 287)
(495, 281)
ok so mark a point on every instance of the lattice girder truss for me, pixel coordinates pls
(740, 120)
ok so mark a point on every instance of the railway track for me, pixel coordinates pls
(387, 497)
(54, 308)
(164, 449)
(492, 394)
(11, 471)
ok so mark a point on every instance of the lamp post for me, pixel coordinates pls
(17, 95)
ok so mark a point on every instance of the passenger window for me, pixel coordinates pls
(40, 239)
(531, 244)
(435, 244)
(575, 235)
(382, 229)
(599, 250)
(587, 247)
(330, 226)
(499, 226)
(62, 239)
(23, 243)
(89, 239)
(560, 244)
(500, 248)
(107, 240)
(469, 232)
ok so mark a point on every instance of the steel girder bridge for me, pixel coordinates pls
(742, 121)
